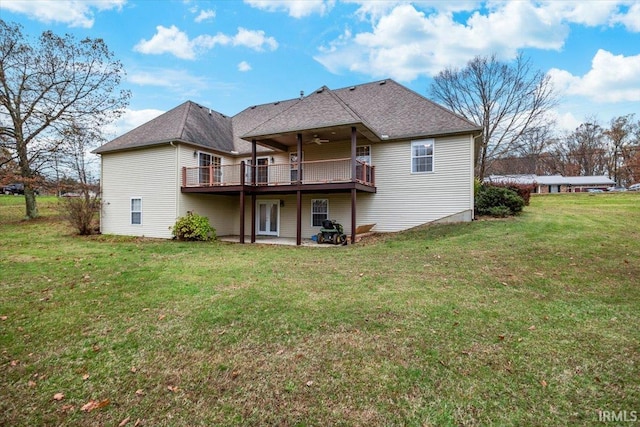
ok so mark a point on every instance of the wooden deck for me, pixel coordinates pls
(333, 175)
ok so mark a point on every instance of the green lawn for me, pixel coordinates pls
(525, 321)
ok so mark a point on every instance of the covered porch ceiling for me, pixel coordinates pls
(282, 141)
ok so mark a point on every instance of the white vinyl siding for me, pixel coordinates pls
(405, 199)
(147, 174)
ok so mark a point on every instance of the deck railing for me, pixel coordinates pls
(308, 172)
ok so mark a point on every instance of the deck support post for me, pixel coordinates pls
(353, 153)
(242, 174)
(353, 179)
(253, 195)
(299, 195)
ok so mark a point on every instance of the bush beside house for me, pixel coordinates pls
(498, 201)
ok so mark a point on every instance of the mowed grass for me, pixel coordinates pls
(524, 321)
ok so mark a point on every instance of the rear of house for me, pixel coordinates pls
(376, 153)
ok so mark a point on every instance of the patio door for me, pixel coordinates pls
(268, 218)
(262, 170)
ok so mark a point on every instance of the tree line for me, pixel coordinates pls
(512, 102)
(591, 149)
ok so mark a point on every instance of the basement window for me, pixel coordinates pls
(319, 211)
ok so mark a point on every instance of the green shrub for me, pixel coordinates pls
(522, 190)
(477, 185)
(491, 196)
(499, 211)
(193, 227)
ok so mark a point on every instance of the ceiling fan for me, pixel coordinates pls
(318, 140)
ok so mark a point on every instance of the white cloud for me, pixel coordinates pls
(412, 39)
(631, 20)
(74, 13)
(589, 13)
(295, 8)
(176, 80)
(565, 121)
(205, 15)
(244, 66)
(131, 119)
(408, 42)
(167, 40)
(255, 40)
(612, 78)
(172, 40)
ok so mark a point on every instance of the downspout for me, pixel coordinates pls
(178, 177)
(473, 175)
(101, 190)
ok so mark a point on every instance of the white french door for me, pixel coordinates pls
(268, 218)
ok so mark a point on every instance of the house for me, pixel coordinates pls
(376, 153)
(556, 183)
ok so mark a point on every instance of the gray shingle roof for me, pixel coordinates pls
(318, 110)
(252, 117)
(188, 122)
(387, 109)
(394, 110)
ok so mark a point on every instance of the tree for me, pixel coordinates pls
(622, 134)
(47, 86)
(584, 150)
(506, 99)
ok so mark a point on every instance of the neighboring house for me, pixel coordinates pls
(556, 183)
(376, 153)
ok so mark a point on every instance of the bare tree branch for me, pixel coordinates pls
(506, 99)
(49, 86)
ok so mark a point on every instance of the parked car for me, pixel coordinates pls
(616, 188)
(13, 189)
(634, 187)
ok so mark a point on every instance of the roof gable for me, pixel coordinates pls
(188, 122)
(319, 110)
(395, 111)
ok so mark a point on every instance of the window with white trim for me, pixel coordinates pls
(319, 211)
(422, 156)
(136, 211)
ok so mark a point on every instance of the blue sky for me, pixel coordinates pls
(229, 55)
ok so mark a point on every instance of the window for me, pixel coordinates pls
(319, 211)
(363, 155)
(422, 156)
(293, 161)
(136, 211)
(206, 160)
(261, 170)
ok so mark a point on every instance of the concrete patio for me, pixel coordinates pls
(272, 240)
